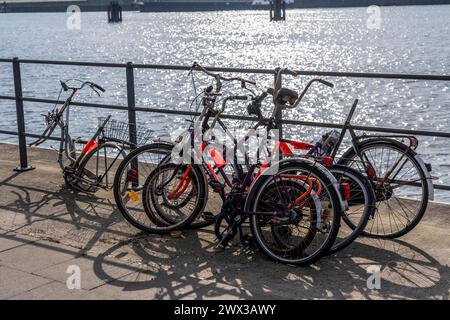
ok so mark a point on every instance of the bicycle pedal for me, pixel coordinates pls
(136, 188)
(226, 239)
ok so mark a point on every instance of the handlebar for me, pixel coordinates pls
(224, 103)
(92, 85)
(328, 84)
(53, 118)
(220, 78)
(98, 87)
(274, 91)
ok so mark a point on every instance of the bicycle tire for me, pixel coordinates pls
(256, 192)
(161, 226)
(362, 185)
(349, 159)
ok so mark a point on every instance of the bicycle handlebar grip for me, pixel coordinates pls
(290, 72)
(329, 84)
(261, 97)
(271, 91)
(98, 87)
(64, 85)
(240, 98)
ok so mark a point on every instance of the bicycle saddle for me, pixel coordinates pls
(286, 95)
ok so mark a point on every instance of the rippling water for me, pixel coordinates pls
(410, 40)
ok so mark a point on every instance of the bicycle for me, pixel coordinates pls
(92, 168)
(400, 178)
(305, 191)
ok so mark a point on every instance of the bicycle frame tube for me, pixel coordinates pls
(105, 174)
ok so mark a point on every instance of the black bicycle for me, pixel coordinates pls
(400, 179)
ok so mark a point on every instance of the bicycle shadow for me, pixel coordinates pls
(196, 272)
(62, 213)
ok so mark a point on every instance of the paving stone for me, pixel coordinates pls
(36, 256)
(14, 282)
(58, 291)
(93, 272)
(8, 242)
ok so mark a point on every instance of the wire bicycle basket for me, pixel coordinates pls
(119, 131)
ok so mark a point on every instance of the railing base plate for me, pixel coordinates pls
(20, 169)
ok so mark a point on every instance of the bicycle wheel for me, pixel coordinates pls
(138, 182)
(97, 168)
(361, 205)
(170, 195)
(294, 213)
(400, 185)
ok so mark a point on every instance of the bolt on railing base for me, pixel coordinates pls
(24, 169)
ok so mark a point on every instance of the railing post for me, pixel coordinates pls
(279, 116)
(20, 118)
(131, 97)
(131, 103)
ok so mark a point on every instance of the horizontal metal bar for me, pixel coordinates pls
(369, 75)
(30, 135)
(74, 63)
(238, 117)
(214, 69)
(371, 129)
(13, 133)
(442, 187)
(80, 104)
(307, 73)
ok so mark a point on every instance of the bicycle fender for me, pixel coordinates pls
(317, 204)
(427, 175)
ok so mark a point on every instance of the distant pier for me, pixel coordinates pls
(114, 12)
(277, 10)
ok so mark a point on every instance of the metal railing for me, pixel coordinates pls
(132, 108)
